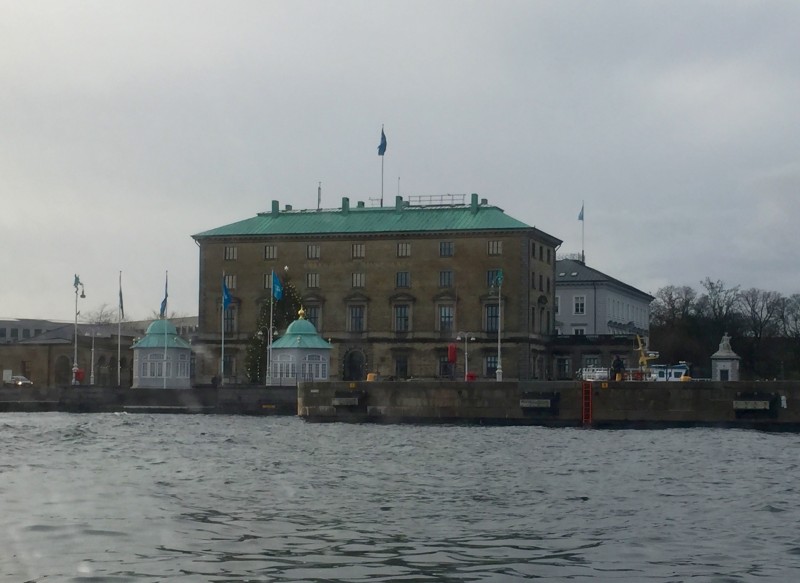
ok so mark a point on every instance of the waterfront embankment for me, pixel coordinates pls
(244, 400)
(767, 405)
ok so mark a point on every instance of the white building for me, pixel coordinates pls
(591, 303)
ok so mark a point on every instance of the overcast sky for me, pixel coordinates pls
(128, 126)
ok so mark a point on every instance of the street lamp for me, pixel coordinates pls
(467, 336)
(78, 285)
(91, 374)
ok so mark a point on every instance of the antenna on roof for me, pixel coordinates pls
(319, 195)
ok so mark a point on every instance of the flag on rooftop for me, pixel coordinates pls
(382, 145)
(580, 214)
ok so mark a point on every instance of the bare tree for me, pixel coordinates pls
(719, 306)
(102, 315)
(673, 305)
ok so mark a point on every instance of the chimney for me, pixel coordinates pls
(474, 204)
(275, 208)
(398, 203)
(345, 205)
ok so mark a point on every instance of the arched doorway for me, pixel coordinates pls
(63, 371)
(355, 366)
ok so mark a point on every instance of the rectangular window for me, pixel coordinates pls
(549, 255)
(401, 320)
(359, 279)
(358, 250)
(541, 253)
(404, 249)
(491, 365)
(445, 367)
(445, 279)
(579, 332)
(15, 333)
(230, 253)
(230, 281)
(492, 317)
(270, 252)
(267, 281)
(446, 317)
(548, 284)
(591, 361)
(229, 366)
(558, 304)
(2, 332)
(312, 280)
(533, 280)
(312, 315)
(541, 282)
(579, 305)
(533, 319)
(229, 318)
(562, 367)
(356, 318)
(491, 277)
(495, 248)
(401, 367)
(312, 251)
(446, 249)
(26, 333)
(403, 279)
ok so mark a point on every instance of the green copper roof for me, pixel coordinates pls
(301, 334)
(159, 332)
(399, 218)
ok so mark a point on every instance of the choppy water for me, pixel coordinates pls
(215, 498)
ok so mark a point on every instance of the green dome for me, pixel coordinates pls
(161, 327)
(301, 327)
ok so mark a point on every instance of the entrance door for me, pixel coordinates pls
(355, 366)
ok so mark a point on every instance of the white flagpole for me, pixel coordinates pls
(499, 372)
(119, 333)
(268, 377)
(222, 329)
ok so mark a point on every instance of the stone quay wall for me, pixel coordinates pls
(768, 405)
(244, 400)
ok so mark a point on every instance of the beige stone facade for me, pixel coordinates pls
(390, 302)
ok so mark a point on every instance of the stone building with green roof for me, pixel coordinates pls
(390, 287)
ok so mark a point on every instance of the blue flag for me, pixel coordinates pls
(277, 288)
(382, 145)
(163, 312)
(226, 295)
(580, 215)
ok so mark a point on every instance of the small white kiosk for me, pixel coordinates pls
(161, 360)
(301, 354)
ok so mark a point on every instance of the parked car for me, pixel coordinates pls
(19, 381)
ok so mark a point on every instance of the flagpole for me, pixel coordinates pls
(222, 329)
(119, 333)
(583, 227)
(499, 372)
(166, 284)
(268, 377)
